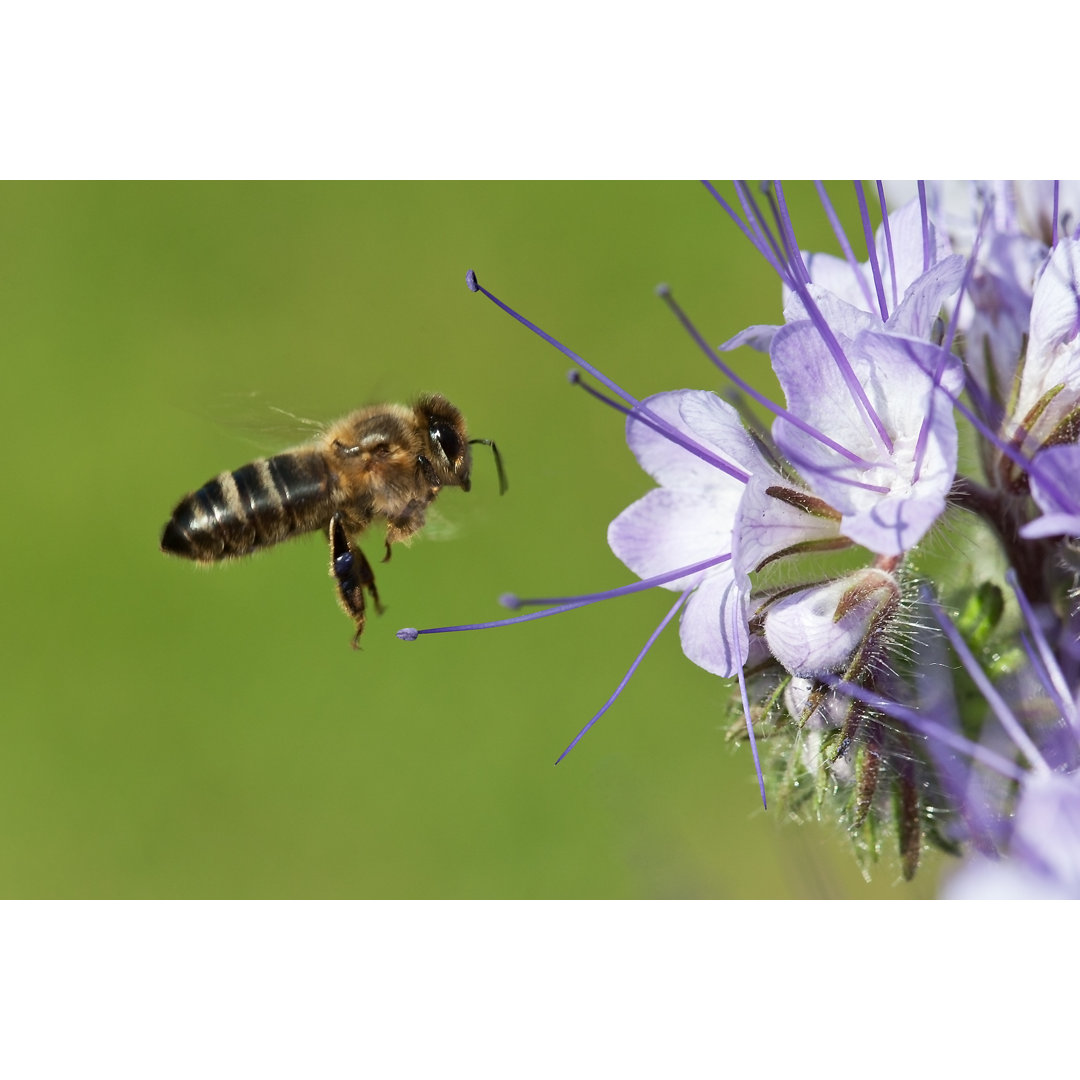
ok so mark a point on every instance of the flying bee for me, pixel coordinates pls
(385, 462)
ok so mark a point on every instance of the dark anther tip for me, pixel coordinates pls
(470, 280)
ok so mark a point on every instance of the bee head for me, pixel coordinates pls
(449, 445)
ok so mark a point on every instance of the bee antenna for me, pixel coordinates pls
(503, 485)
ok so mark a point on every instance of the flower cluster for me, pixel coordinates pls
(888, 571)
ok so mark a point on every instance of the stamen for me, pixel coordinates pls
(986, 687)
(799, 272)
(966, 280)
(573, 376)
(514, 602)
(746, 197)
(855, 388)
(1031, 467)
(665, 294)
(410, 633)
(750, 734)
(756, 241)
(626, 678)
(923, 441)
(475, 286)
(1054, 680)
(888, 241)
(925, 226)
(642, 412)
(795, 276)
(871, 250)
(926, 726)
(805, 464)
(570, 603)
(845, 244)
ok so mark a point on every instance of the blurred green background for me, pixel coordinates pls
(176, 732)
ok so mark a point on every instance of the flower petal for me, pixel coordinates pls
(705, 419)
(667, 529)
(713, 628)
(896, 374)
(1053, 355)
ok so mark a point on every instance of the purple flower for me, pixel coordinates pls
(694, 514)
(898, 690)
(889, 478)
(1044, 850)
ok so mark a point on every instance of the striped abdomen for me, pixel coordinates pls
(253, 507)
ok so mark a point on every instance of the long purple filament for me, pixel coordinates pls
(760, 398)
(618, 391)
(623, 590)
(1032, 468)
(931, 728)
(756, 221)
(871, 251)
(626, 678)
(574, 378)
(845, 244)
(925, 226)
(966, 280)
(923, 441)
(642, 412)
(787, 228)
(996, 702)
(1054, 681)
(750, 734)
(855, 388)
(759, 244)
(888, 242)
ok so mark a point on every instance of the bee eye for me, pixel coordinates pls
(446, 438)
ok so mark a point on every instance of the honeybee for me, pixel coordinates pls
(383, 461)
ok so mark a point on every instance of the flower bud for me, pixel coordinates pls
(822, 628)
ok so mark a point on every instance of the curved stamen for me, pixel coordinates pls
(1054, 681)
(626, 678)
(888, 241)
(573, 376)
(845, 244)
(871, 251)
(665, 294)
(996, 702)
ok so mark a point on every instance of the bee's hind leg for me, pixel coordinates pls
(353, 574)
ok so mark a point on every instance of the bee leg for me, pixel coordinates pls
(405, 525)
(353, 574)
